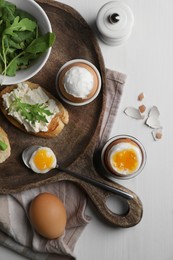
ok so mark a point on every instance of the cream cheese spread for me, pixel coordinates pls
(78, 82)
(30, 96)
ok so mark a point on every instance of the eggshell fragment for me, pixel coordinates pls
(133, 112)
(141, 97)
(153, 118)
(142, 108)
(157, 134)
(48, 215)
(154, 111)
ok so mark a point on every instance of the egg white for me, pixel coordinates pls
(125, 146)
(49, 153)
(78, 82)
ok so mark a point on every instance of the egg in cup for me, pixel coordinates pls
(123, 157)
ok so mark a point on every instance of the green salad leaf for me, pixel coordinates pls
(32, 113)
(3, 146)
(24, 24)
(20, 40)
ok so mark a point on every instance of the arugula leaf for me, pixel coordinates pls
(7, 11)
(24, 37)
(11, 71)
(36, 47)
(1, 69)
(13, 44)
(20, 25)
(33, 113)
(2, 3)
(21, 63)
(41, 44)
(3, 146)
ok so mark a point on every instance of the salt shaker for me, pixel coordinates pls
(115, 22)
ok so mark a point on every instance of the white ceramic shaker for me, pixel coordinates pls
(115, 22)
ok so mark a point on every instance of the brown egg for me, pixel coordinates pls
(48, 215)
(71, 97)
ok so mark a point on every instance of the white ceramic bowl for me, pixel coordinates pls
(85, 102)
(31, 7)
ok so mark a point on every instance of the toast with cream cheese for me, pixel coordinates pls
(32, 109)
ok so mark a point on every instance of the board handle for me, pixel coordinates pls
(130, 218)
(99, 199)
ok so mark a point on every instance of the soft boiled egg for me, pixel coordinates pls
(43, 160)
(125, 158)
(47, 215)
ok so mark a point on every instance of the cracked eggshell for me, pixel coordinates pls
(141, 96)
(133, 113)
(142, 108)
(154, 111)
(157, 134)
(153, 118)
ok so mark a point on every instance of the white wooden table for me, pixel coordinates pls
(147, 59)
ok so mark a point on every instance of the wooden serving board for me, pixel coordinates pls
(75, 146)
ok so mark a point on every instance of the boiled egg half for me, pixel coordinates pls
(43, 160)
(125, 158)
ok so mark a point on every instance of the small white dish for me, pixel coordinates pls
(85, 102)
(34, 9)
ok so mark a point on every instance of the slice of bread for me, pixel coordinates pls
(6, 153)
(55, 126)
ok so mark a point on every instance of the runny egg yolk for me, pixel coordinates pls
(125, 160)
(43, 160)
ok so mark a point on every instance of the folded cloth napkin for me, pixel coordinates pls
(16, 232)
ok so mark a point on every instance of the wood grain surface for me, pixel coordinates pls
(75, 146)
